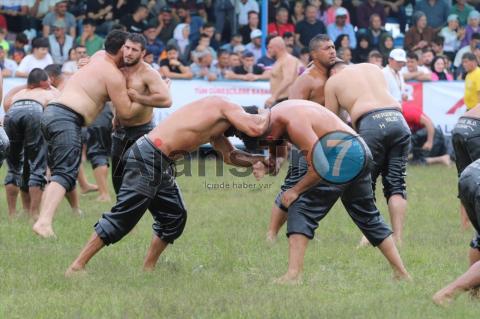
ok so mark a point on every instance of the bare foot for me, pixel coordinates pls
(289, 279)
(104, 198)
(363, 242)
(148, 268)
(446, 160)
(271, 238)
(77, 211)
(443, 297)
(74, 271)
(44, 231)
(402, 276)
(90, 188)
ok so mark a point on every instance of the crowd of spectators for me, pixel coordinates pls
(221, 39)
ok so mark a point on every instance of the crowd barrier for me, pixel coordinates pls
(441, 101)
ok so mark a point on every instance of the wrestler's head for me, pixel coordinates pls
(249, 141)
(114, 43)
(322, 50)
(134, 49)
(337, 67)
(55, 75)
(38, 78)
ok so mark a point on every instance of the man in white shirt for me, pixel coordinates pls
(255, 46)
(7, 66)
(395, 81)
(243, 8)
(414, 72)
(71, 67)
(39, 58)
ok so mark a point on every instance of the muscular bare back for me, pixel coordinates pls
(40, 95)
(358, 88)
(309, 86)
(285, 68)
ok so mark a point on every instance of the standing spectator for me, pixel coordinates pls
(234, 41)
(247, 71)
(462, 9)
(209, 29)
(436, 11)
(223, 64)
(244, 7)
(452, 35)
(153, 44)
(101, 11)
(420, 35)
(256, 45)
(414, 72)
(309, 27)
(472, 27)
(281, 24)
(322, 8)
(386, 46)
(39, 58)
(365, 12)
(204, 68)
(15, 12)
(289, 39)
(360, 54)
(181, 42)
(332, 12)
(194, 22)
(89, 39)
(172, 68)
(472, 80)
(342, 27)
(439, 70)
(60, 43)
(135, 22)
(165, 24)
(395, 81)
(427, 57)
(468, 49)
(122, 8)
(298, 12)
(224, 12)
(59, 14)
(7, 66)
(253, 21)
(375, 32)
(274, 6)
(396, 9)
(375, 57)
(70, 66)
(18, 51)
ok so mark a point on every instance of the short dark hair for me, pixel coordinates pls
(208, 25)
(141, 6)
(171, 47)
(204, 35)
(89, 21)
(251, 12)
(412, 55)
(316, 40)
(36, 76)
(137, 38)
(248, 141)
(469, 56)
(118, 26)
(79, 46)
(40, 43)
(439, 40)
(222, 52)
(53, 70)
(476, 36)
(428, 49)
(304, 50)
(21, 37)
(115, 40)
(287, 35)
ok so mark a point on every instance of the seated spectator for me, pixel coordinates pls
(202, 47)
(375, 32)
(4, 43)
(204, 68)
(222, 66)
(360, 54)
(153, 44)
(281, 24)
(7, 66)
(427, 57)
(420, 35)
(224, 12)
(244, 7)
(253, 24)
(18, 51)
(60, 43)
(468, 49)
(304, 57)
(181, 41)
(341, 27)
(101, 12)
(343, 41)
(452, 35)
(209, 29)
(436, 12)
(376, 58)
(234, 41)
(414, 72)
(427, 142)
(472, 27)
(39, 58)
(437, 45)
(256, 45)
(386, 46)
(195, 22)
(322, 7)
(59, 14)
(332, 12)
(234, 60)
(309, 27)
(289, 39)
(89, 39)
(462, 9)
(365, 12)
(171, 67)
(149, 58)
(247, 71)
(165, 24)
(345, 54)
(439, 70)
(70, 66)
(393, 76)
(135, 22)
(298, 12)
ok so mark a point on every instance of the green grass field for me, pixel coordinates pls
(222, 267)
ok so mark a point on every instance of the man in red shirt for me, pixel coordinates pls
(428, 143)
(281, 25)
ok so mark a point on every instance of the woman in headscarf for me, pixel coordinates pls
(420, 35)
(342, 41)
(360, 54)
(180, 40)
(439, 69)
(385, 46)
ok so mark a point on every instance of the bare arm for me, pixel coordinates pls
(331, 101)
(250, 124)
(233, 156)
(186, 73)
(301, 88)
(425, 121)
(46, 30)
(9, 97)
(159, 93)
(117, 91)
(289, 75)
